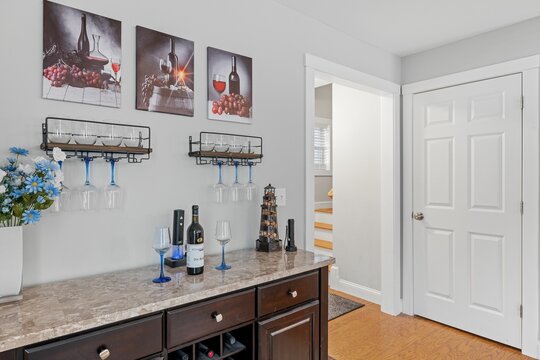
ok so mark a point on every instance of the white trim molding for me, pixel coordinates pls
(390, 294)
(348, 287)
(529, 67)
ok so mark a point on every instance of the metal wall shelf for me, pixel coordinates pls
(133, 154)
(244, 149)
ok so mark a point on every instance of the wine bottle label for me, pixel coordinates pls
(195, 255)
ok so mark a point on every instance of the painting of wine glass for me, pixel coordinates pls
(81, 56)
(165, 73)
(229, 86)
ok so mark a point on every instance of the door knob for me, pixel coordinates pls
(103, 352)
(217, 317)
(293, 293)
(418, 216)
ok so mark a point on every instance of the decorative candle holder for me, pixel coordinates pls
(268, 234)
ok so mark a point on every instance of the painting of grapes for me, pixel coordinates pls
(81, 56)
(229, 86)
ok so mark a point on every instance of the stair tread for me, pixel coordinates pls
(325, 244)
(325, 210)
(323, 226)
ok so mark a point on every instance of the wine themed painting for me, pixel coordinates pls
(81, 56)
(165, 73)
(230, 92)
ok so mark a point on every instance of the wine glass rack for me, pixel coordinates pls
(213, 148)
(139, 148)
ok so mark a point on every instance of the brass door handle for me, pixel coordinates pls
(418, 216)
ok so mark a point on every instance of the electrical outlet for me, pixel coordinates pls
(281, 197)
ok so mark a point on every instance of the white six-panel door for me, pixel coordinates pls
(467, 160)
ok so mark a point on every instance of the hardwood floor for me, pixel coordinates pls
(369, 334)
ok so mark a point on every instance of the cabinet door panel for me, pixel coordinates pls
(291, 336)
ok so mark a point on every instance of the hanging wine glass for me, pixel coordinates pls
(112, 192)
(85, 133)
(223, 236)
(236, 187)
(59, 131)
(87, 192)
(111, 135)
(219, 189)
(63, 202)
(161, 245)
(250, 187)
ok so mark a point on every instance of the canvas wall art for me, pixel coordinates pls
(81, 56)
(165, 73)
(230, 92)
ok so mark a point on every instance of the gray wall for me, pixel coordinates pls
(512, 42)
(74, 244)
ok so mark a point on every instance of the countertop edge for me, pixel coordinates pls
(143, 310)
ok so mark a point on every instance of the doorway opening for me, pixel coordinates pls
(352, 180)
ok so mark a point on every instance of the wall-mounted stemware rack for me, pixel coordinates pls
(92, 139)
(215, 148)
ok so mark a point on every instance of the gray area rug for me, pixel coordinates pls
(338, 306)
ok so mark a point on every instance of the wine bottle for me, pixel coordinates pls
(203, 349)
(83, 44)
(195, 245)
(234, 79)
(229, 339)
(179, 355)
(173, 60)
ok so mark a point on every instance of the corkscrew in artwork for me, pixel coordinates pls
(81, 56)
(165, 73)
(229, 86)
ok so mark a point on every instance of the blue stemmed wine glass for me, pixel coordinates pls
(113, 192)
(223, 236)
(219, 190)
(250, 187)
(236, 187)
(87, 192)
(162, 244)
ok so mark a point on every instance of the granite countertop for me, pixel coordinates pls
(61, 308)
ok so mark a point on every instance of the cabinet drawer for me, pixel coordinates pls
(287, 293)
(193, 322)
(130, 341)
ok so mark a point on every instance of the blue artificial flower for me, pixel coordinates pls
(33, 184)
(18, 151)
(9, 168)
(5, 210)
(52, 190)
(40, 199)
(43, 166)
(31, 216)
(6, 201)
(17, 193)
(11, 160)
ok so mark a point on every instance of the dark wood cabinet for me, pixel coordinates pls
(285, 319)
(293, 335)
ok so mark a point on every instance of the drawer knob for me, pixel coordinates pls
(217, 317)
(103, 353)
(293, 293)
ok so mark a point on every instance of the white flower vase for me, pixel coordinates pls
(11, 263)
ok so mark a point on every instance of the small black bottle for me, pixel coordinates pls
(83, 44)
(195, 245)
(234, 79)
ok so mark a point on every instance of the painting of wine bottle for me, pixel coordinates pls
(81, 56)
(229, 86)
(165, 73)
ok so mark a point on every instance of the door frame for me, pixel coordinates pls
(390, 157)
(529, 67)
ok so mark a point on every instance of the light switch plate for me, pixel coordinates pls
(281, 197)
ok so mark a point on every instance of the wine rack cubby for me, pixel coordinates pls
(213, 148)
(242, 349)
(92, 139)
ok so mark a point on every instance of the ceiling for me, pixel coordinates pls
(405, 27)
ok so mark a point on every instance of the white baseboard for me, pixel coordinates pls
(323, 204)
(353, 289)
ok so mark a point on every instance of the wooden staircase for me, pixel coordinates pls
(323, 231)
